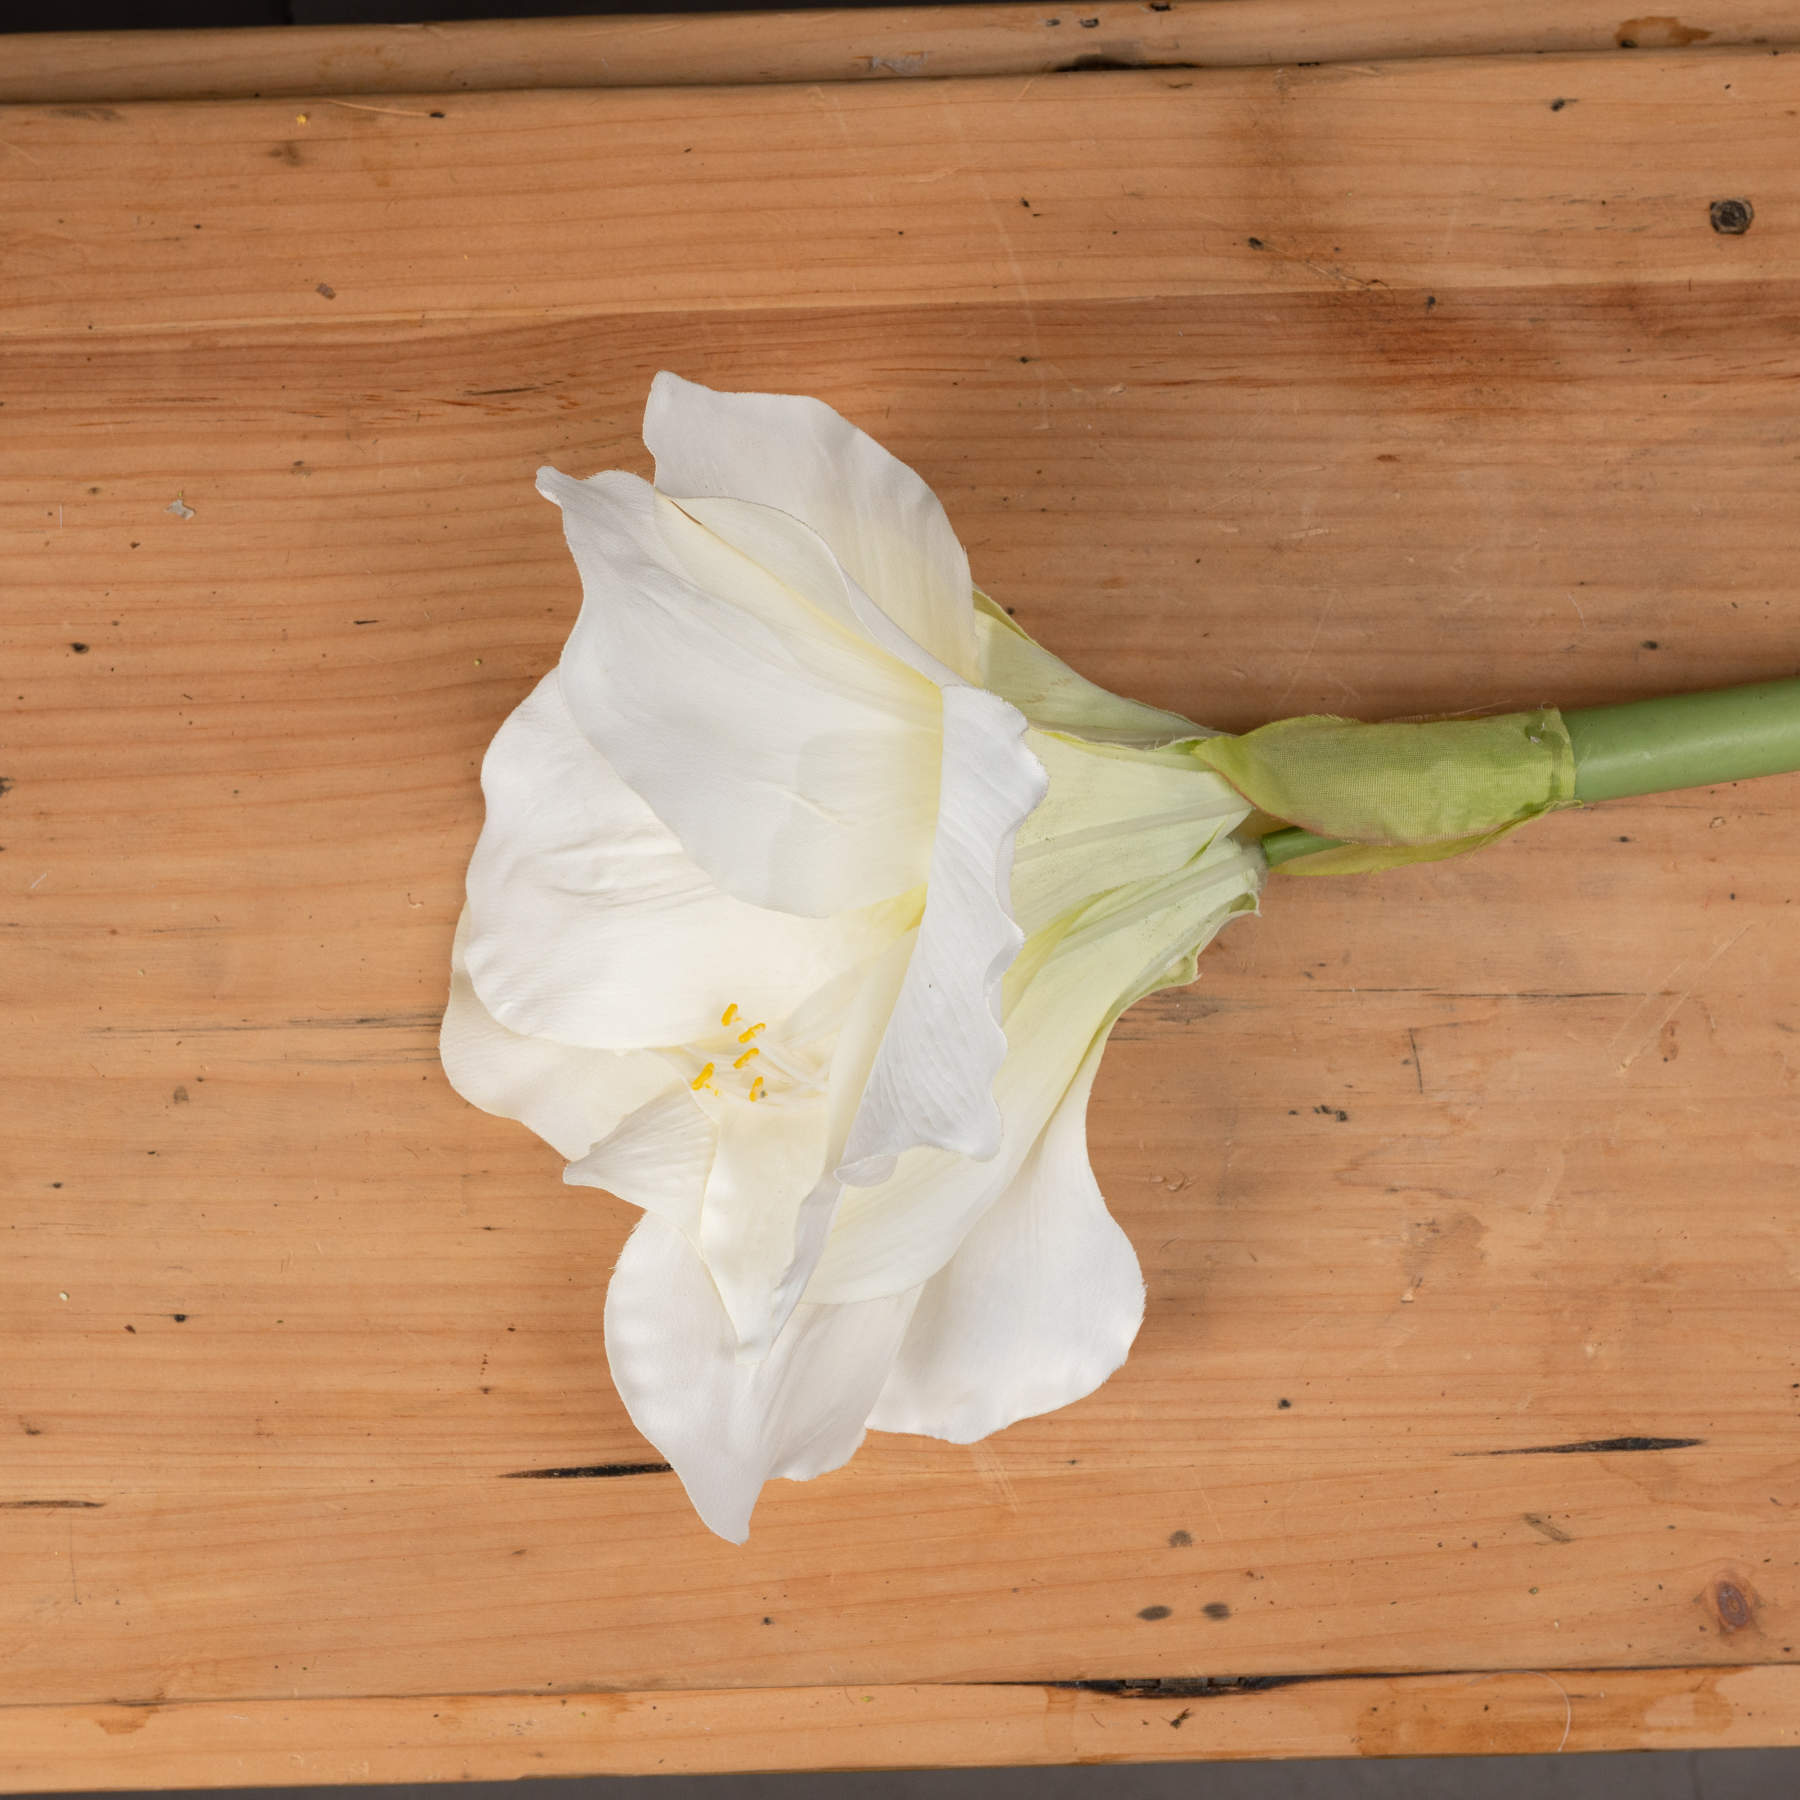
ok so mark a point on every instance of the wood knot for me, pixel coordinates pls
(1732, 1605)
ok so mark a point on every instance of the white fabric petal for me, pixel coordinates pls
(932, 1082)
(728, 1426)
(933, 1078)
(1111, 817)
(896, 1235)
(883, 522)
(658, 1158)
(571, 1097)
(797, 765)
(590, 924)
(768, 1180)
(780, 548)
(1052, 696)
(772, 1190)
(1038, 1306)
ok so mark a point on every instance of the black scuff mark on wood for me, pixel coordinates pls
(1594, 1447)
(590, 1472)
(51, 1505)
(1181, 1687)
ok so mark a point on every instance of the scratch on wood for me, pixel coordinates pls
(51, 1505)
(1649, 1037)
(1548, 1528)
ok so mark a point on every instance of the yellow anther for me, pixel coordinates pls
(728, 1014)
(756, 1088)
(702, 1078)
(745, 1036)
(748, 1054)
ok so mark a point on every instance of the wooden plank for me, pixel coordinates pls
(250, 215)
(463, 1737)
(879, 44)
(1529, 1299)
(1063, 1550)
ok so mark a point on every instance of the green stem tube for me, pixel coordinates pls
(1685, 740)
(1653, 746)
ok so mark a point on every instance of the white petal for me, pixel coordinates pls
(894, 1236)
(771, 1190)
(933, 1078)
(782, 549)
(590, 923)
(797, 764)
(659, 1158)
(1051, 695)
(1037, 1308)
(768, 1196)
(1112, 816)
(884, 524)
(570, 1097)
(729, 1426)
(932, 1081)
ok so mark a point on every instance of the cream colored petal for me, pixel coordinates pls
(891, 1237)
(1052, 696)
(571, 1097)
(728, 1425)
(590, 924)
(658, 1157)
(1038, 1306)
(1112, 816)
(933, 1079)
(768, 1199)
(795, 454)
(798, 767)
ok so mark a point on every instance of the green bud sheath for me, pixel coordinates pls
(1640, 747)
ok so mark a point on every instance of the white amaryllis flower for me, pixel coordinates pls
(808, 893)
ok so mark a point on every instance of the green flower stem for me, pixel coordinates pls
(1290, 842)
(1654, 746)
(1685, 741)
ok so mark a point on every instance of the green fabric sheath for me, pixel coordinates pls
(1414, 792)
(1640, 747)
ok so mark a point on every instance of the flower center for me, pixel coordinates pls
(739, 1062)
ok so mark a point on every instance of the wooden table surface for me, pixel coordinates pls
(1466, 1415)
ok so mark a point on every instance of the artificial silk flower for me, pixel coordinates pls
(808, 892)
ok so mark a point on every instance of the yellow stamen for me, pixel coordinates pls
(745, 1036)
(756, 1088)
(702, 1078)
(746, 1057)
(728, 1014)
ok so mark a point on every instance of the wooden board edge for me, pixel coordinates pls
(441, 1738)
(886, 43)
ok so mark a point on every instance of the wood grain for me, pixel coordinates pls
(865, 44)
(257, 215)
(1464, 1194)
(468, 1737)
